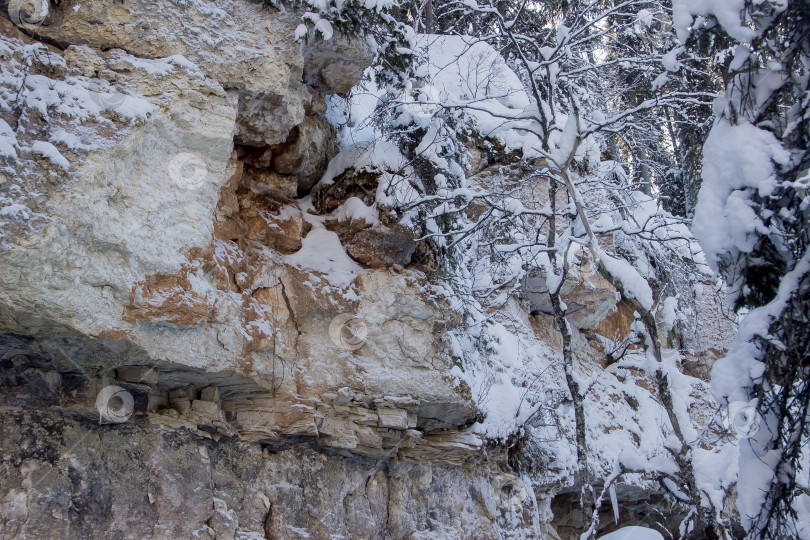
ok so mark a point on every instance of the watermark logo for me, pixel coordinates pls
(188, 170)
(114, 404)
(107, 101)
(28, 13)
(348, 331)
(742, 419)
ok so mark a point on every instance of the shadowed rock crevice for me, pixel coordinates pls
(68, 373)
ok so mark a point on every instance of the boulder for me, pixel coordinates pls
(306, 152)
(382, 246)
(267, 119)
(336, 65)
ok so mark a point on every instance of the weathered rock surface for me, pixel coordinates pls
(157, 267)
(589, 296)
(335, 66)
(382, 246)
(265, 120)
(185, 349)
(245, 47)
(133, 481)
(242, 45)
(306, 152)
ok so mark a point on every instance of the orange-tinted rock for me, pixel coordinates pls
(167, 298)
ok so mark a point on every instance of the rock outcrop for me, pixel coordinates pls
(123, 482)
(190, 346)
(149, 226)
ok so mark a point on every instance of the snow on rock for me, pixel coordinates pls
(8, 141)
(355, 208)
(463, 71)
(49, 151)
(107, 143)
(153, 238)
(322, 252)
(225, 40)
(156, 238)
(511, 362)
(379, 156)
(393, 176)
(633, 533)
(634, 285)
(353, 115)
(511, 359)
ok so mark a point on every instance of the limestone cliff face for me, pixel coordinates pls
(184, 352)
(152, 252)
